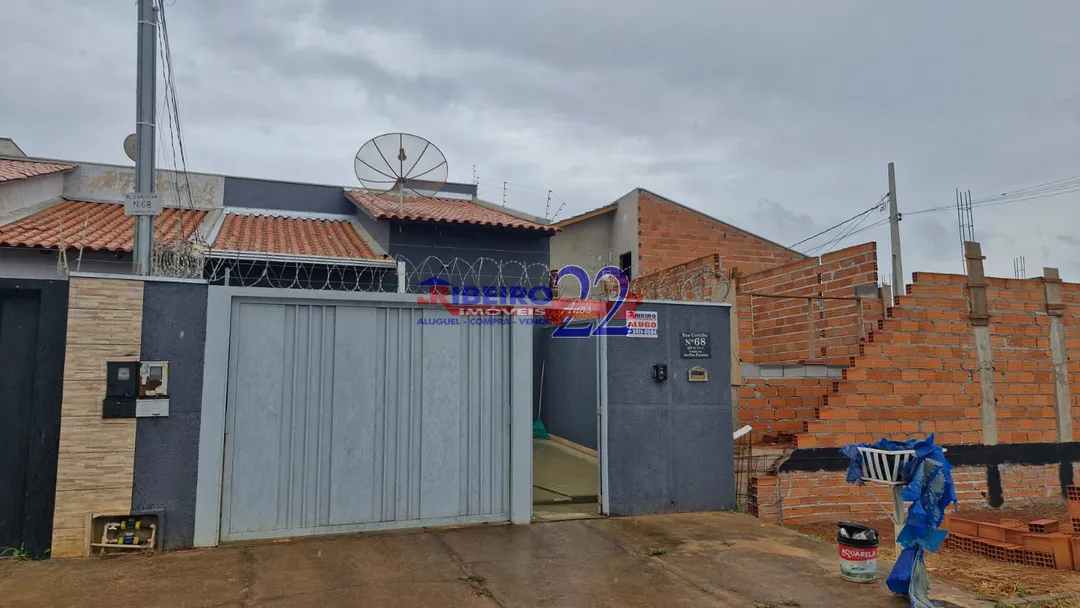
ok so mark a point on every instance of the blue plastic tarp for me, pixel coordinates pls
(928, 486)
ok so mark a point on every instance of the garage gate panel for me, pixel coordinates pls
(354, 417)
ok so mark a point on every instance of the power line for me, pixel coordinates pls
(877, 205)
(1038, 191)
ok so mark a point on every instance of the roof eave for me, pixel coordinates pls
(292, 257)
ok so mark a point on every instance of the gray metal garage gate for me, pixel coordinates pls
(343, 416)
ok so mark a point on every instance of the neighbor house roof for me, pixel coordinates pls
(278, 234)
(98, 226)
(588, 215)
(428, 209)
(11, 170)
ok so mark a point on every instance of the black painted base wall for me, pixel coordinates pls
(989, 456)
(33, 337)
(669, 443)
(167, 448)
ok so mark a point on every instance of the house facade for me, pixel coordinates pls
(58, 217)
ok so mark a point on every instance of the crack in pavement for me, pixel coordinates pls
(719, 593)
(472, 578)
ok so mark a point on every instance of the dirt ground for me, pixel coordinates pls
(674, 561)
(983, 577)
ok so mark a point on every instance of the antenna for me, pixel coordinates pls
(392, 162)
(129, 146)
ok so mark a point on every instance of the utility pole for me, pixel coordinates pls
(894, 225)
(146, 98)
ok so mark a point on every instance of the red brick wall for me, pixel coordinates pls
(819, 495)
(778, 329)
(780, 405)
(1023, 367)
(702, 279)
(1030, 483)
(1070, 296)
(670, 234)
(919, 374)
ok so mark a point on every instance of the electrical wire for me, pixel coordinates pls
(1050, 189)
(878, 205)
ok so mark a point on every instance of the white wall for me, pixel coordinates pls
(21, 196)
(97, 182)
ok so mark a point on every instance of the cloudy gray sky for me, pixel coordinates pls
(779, 117)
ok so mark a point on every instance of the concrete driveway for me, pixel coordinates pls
(675, 561)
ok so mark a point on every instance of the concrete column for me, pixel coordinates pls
(725, 290)
(1058, 352)
(521, 421)
(980, 320)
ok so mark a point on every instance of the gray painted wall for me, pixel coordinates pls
(568, 368)
(21, 194)
(269, 194)
(586, 243)
(669, 444)
(37, 263)
(517, 251)
(167, 448)
(624, 230)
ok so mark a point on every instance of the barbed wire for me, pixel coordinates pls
(247, 270)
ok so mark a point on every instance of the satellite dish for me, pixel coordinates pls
(129, 146)
(395, 162)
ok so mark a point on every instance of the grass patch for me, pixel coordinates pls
(656, 551)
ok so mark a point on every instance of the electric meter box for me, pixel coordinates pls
(136, 389)
(153, 379)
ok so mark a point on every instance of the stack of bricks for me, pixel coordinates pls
(1039, 544)
(1072, 500)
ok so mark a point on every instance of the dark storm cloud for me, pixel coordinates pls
(776, 116)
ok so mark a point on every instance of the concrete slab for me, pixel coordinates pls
(563, 474)
(675, 561)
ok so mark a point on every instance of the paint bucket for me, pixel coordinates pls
(858, 548)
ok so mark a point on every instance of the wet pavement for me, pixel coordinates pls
(675, 561)
(565, 481)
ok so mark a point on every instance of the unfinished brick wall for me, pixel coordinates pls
(780, 405)
(1029, 483)
(797, 496)
(918, 373)
(670, 234)
(791, 497)
(1070, 297)
(702, 279)
(1023, 367)
(820, 319)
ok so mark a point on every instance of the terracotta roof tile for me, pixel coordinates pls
(439, 210)
(99, 226)
(11, 170)
(291, 235)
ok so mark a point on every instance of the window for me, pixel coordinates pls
(626, 263)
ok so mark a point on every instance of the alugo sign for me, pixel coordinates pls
(142, 203)
(539, 305)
